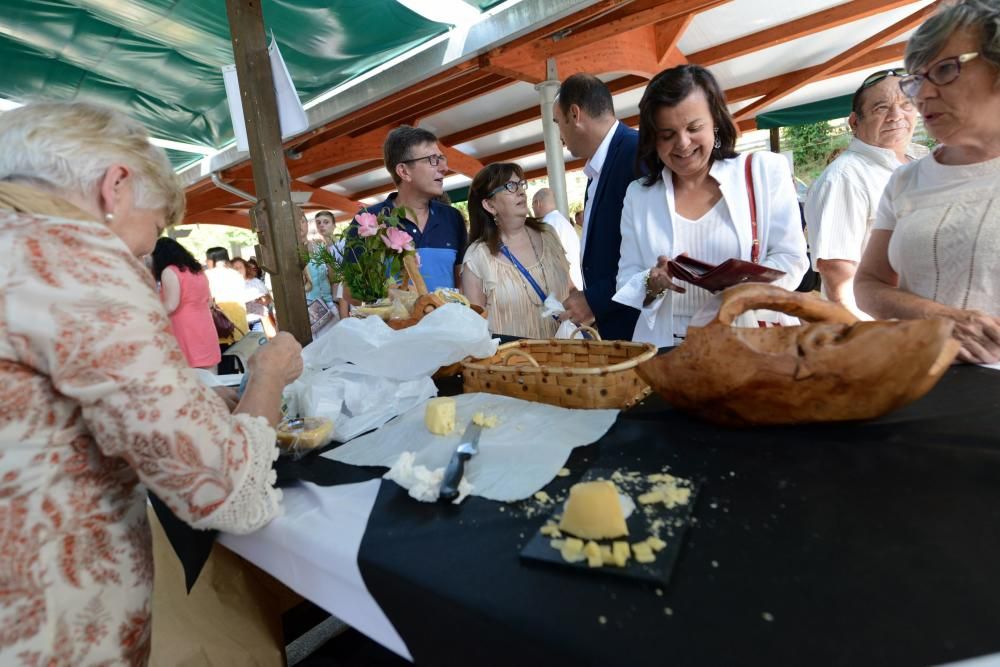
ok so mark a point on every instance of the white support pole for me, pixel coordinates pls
(554, 163)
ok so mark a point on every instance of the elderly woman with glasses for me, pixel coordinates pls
(933, 249)
(97, 403)
(514, 261)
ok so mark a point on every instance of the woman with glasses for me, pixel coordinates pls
(703, 199)
(936, 238)
(514, 261)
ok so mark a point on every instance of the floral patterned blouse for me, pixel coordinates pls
(96, 406)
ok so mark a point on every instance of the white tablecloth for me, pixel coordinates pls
(313, 549)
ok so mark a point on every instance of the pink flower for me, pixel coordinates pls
(367, 224)
(397, 239)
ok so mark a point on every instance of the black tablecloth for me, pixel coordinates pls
(859, 544)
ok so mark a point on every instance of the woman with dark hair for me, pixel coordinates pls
(696, 200)
(187, 298)
(514, 262)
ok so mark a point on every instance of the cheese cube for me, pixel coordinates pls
(440, 415)
(643, 553)
(621, 553)
(593, 554)
(655, 543)
(607, 557)
(593, 511)
(572, 550)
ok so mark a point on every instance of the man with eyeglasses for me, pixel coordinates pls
(841, 205)
(418, 167)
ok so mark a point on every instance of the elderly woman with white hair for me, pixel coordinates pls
(96, 400)
(936, 237)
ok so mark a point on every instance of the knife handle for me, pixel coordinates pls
(452, 477)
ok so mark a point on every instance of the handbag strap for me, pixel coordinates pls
(524, 272)
(755, 243)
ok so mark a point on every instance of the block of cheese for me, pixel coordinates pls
(307, 433)
(440, 415)
(594, 512)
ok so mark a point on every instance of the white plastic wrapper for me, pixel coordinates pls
(369, 347)
(360, 373)
(516, 458)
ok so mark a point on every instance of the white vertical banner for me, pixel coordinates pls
(290, 112)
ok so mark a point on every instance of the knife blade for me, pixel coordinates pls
(467, 448)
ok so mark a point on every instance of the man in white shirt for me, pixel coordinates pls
(543, 203)
(841, 205)
(585, 114)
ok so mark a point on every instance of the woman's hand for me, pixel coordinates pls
(660, 280)
(979, 334)
(281, 359)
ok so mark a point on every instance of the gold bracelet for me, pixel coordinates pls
(649, 292)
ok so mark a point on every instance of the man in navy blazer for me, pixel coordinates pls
(585, 114)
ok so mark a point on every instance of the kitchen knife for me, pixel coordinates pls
(467, 448)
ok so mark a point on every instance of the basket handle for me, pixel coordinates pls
(507, 354)
(591, 330)
(738, 300)
(413, 273)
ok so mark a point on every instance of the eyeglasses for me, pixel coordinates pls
(872, 79)
(940, 73)
(433, 160)
(511, 187)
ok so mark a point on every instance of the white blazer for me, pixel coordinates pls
(648, 232)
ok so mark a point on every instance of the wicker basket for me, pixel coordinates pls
(569, 373)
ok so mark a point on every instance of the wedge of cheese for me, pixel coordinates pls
(593, 511)
(440, 415)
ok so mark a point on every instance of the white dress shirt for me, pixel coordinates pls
(570, 241)
(840, 209)
(593, 171)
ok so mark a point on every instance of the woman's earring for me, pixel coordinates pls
(109, 218)
(718, 142)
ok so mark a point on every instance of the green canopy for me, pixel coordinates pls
(159, 60)
(835, 107)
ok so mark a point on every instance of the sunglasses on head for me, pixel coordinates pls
(872, 79)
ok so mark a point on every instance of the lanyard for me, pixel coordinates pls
(524, 272)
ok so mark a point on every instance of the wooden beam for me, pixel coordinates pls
(843, 58)
(747, 125)
(461, 163)
(635, 15)
(666, 35)
(881, 56)
(218, 218)
(326, 199)
(367, 146)
(260, 110)
(826, 19)
(542, 171)
(350, 172)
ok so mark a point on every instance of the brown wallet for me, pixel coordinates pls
(715, 277)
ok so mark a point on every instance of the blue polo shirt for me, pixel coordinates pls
(441, 245)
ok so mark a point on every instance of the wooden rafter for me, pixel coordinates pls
(635, 15)
(218, 218)
(841, 59)
(826, 19)
(327, 199)
(666, 35)
(875, 58)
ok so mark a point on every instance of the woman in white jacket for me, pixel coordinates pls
(696, 201)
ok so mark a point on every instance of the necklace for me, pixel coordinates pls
(541, 264)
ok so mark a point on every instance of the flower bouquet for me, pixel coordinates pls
(368, 254)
